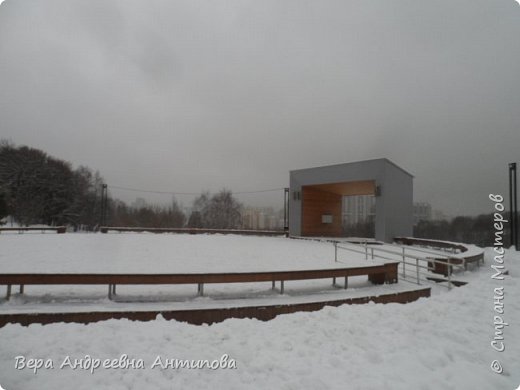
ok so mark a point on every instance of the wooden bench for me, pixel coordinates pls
(57, 229)
(377, 274)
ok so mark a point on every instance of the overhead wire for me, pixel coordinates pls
(188, 193)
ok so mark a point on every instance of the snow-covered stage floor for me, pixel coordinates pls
(161, 253)
(137, 253)
(438, 343)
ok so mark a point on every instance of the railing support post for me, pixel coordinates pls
(449, 273)
(417, 267)
(335, 251)
(404, 264)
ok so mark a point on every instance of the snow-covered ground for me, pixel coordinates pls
(443, 342)
(161, 253)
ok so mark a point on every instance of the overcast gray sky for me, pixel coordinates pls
(193, 95)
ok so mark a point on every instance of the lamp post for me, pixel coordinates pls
(286, 210)
(104, 204)
(513, 205)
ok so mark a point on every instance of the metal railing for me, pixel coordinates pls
(413, 267)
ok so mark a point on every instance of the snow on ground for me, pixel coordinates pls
(161, 253)
(442, 342)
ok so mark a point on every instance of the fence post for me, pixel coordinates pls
(449, 273)
(336, 251)
(366, 250)
(404, 264)
(417, 267)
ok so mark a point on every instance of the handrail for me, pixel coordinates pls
(418, 249)
(429, 242)
(402, 256)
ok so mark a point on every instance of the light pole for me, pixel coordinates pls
(513, 205)
(104, 204)
(286, 210)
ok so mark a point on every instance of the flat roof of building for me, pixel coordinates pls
(356, 162)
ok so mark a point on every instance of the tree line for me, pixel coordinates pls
(477, 230)
(36, 188)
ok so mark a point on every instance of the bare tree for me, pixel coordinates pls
(3, 208)
(200, 204)
(222, 211)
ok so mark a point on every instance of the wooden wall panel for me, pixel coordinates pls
(315, 203)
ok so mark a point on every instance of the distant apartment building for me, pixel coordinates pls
(422, 211)
(260, 219)
(438, 215)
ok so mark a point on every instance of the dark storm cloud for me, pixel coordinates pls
(191, 95)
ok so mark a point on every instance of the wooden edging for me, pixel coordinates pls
(122, 229)
(386, 270)
(434, 243)
(207, 316)
(438, 267)
(377, 274)
(57, 229)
